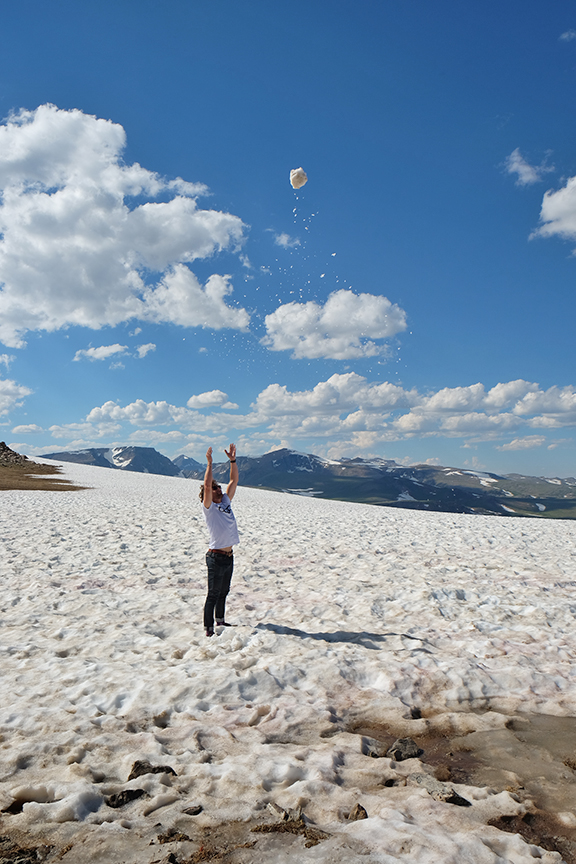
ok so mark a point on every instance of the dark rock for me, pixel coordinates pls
(358, 812)
(457, 799)
(141, 767)
(193, 811)
(119, 799)
(404, 748)
(416, 713)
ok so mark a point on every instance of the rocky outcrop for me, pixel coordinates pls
(10, 457)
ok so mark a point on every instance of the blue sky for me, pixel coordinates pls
(163, 285)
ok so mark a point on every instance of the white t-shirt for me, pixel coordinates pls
(221, 524)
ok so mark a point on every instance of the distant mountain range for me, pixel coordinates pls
(368, 481)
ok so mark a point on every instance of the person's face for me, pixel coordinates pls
(216, 493)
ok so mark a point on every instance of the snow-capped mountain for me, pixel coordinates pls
(146, 460)
(369, 481)
(186, 463)
(418, 487)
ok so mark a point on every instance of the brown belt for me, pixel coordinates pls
(222, 552)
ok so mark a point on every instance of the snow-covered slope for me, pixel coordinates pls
(349, 617)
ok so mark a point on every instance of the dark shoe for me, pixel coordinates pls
(223, 624)
(209, 631)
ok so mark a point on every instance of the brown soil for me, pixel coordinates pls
(459, 759)
(293, 826)
(182, 843)
(542, 830)
(31, 475)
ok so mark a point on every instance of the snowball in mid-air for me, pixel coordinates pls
(298, 177)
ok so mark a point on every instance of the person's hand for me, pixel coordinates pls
(209, 455)
(231, 454)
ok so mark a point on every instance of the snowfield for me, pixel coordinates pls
(347, 615)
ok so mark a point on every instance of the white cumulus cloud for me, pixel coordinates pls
(11, 395)
(73, 251)
(558, 212)
(211, 399)
(556, 401)
(346, 413)
(342, 329)
(27, 429)
(181, 299)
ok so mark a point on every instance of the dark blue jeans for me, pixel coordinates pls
(220, 569)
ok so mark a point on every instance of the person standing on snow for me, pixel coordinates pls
(223, 533)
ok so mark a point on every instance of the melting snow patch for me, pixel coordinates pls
(344, 613)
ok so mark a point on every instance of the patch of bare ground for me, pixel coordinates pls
(11, 852)
(36, 477)
(184, 842)
(19, 472)
(541, 829)
(532, 758)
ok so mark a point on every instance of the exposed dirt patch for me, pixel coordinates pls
(541, 829)
(533, 757)
(31, 475)
(12, 852)
(293, 826)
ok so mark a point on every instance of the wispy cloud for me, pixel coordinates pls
(526, 174)
(286, 241)
(559, 442)
(568, 36)
(6, 360)
(143, 350)
(528, 442)
(103, 352)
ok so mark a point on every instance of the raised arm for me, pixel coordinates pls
(231, 454)
(207, 500)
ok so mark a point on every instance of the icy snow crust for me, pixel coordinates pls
(347, 613)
